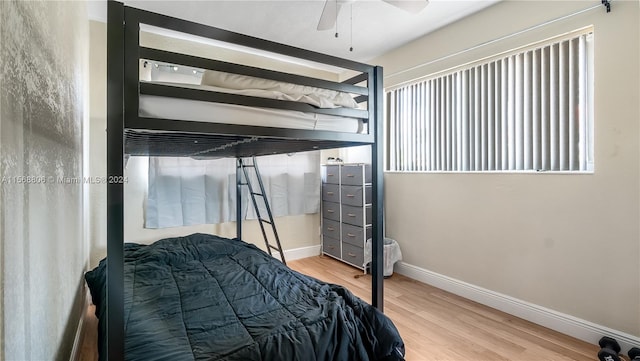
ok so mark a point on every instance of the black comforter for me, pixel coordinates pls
(204, 297)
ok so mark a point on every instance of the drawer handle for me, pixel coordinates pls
(350, 195)
(350, 235)
(329, 193)
(330, 174)
(332, 247)
(330, 229)
(351, 255)
(330, 211)
(351, 215)
(351, 175)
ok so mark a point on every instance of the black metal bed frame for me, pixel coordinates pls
(130, 133)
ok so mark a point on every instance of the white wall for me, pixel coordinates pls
(43, 92)
(97, 141)
(570, 243)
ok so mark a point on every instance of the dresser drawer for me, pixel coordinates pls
(331, 174)
(331, 228)
(331, 246)
(353, 254)
(355, 235)
(355, 174)
(356, 216)
(331, 210)
(331, 192)
(352, 195)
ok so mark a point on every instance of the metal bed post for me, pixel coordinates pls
(377, 155)
(238, 200)
(115, 195)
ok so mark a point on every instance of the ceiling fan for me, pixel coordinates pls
(332, 8)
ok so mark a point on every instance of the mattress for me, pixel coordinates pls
(194, 110)
(204, 297)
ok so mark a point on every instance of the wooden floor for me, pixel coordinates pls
(437, 325)
(434, 324)
(89, 346)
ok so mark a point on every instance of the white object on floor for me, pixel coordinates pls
(392, 254)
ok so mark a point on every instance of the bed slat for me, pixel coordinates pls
(173, 144)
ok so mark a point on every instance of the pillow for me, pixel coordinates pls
(244, 82)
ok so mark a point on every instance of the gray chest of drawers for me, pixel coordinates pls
(346, 211)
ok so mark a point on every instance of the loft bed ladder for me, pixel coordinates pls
(244, 178)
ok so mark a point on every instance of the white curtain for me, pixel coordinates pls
(185, 191)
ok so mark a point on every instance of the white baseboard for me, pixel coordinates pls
(566, 324)
(79, 336)
(299, 253)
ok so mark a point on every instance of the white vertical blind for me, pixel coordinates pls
(524, 111)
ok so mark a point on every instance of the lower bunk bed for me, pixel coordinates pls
(203, 297)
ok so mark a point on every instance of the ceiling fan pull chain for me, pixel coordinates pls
(336, 18)
(351, 19)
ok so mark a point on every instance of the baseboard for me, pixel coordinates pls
(299, 253)
(566, 324)
(79, 336)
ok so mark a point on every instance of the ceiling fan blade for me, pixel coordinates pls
(329, 13)
(412, 6)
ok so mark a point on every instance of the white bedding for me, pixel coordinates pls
(195, 110)
(321, 98)
(202, 111)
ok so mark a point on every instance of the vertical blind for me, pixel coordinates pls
(529, 110)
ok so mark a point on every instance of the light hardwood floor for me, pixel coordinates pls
(436, 325)
(89, 346)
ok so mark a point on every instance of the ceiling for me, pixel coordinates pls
(377, 26)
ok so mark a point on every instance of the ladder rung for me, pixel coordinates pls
(248, 181)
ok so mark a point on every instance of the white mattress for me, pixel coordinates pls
(194, 110)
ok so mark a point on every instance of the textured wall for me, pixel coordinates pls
(43, 59)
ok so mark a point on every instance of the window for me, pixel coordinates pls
(529, 110)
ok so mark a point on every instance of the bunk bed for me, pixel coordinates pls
(132, 131)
